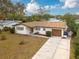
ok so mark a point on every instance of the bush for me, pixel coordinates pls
(76, 39)
(22, 43)
(48, 33)
(76, 43)
(77, 57)
(24, 21)
(77, 52)
(36, 33)
(12, 30)
(6, 29)
(0, 31)
(3, 37)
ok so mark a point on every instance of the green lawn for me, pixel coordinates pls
(10, 48)
(72, 50)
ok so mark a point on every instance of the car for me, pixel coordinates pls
(65, 35)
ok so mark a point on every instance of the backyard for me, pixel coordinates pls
(13, 46)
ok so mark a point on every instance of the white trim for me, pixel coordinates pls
(62, 32)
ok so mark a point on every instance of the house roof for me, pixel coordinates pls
(46, 24)
(9, 22)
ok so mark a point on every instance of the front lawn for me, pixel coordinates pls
(19, 46)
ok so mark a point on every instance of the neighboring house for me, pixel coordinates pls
(77, 21)
(8, 23)
(55, 20)
(56, 28)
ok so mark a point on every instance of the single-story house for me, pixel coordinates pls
(8, 23)
(41, 27)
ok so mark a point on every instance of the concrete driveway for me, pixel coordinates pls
(63, 50)
(54, 48)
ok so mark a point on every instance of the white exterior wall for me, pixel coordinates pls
(41, 31)
(62, 32)
(66, 27)
(1, 27)
(26, 30)
(48, 29)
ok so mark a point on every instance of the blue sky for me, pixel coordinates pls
(55, 7)
(43, 2)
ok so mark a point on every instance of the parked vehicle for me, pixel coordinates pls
(65, 35)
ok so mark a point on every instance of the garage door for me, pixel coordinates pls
(56, 32)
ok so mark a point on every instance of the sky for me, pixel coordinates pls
(54, 7)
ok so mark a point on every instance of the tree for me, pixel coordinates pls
(76, 44)
(70, 20)
(38, 17)
(47, 16)
(19, 8)
(9, 10)
(5, 7)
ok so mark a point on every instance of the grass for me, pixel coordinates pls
(11, 49)
(72, 50)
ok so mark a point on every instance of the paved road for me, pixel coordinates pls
(54, 48)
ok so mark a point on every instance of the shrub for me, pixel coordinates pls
(48, 33)
(77, 50)
(6, 29)
(22, 43)
(76, 43)
(77, 57)
(0, 31)
(12, 30)
(36, 33)
(76, 39)
(24, 21)
(3, 37)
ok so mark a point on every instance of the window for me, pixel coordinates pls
(20, 28)
(37, 28)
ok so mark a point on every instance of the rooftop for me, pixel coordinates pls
(55, 20)
(8, 22)
(46, 24)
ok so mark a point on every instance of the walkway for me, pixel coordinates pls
(54, 48)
